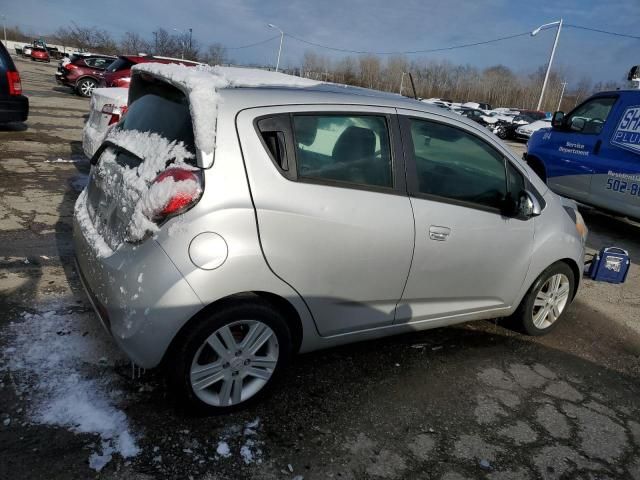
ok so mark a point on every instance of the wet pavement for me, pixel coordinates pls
(466, 402)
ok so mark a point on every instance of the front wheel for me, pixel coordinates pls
(85, 87)
(545, 303)
(229, 358)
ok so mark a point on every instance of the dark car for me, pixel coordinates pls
(14, 107)
(475, 115)
(119, 72)
(83, 72)
(40, 54)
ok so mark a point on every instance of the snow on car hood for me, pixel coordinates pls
(202, 84)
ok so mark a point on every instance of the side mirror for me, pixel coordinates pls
(557, 121)
(528, 205)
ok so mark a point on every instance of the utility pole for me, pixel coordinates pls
(564, 84)
(553, 51)
(271, 25)
(190, 36)
(402, 81)
(155, 49)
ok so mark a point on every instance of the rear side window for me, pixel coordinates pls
(453, 164)
(5, 59)
(120, 64)
(343, 148)
(164, 110)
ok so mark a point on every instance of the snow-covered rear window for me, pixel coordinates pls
(164, 110)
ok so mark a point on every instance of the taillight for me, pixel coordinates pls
(174, 191)
(70, 66)
(115, 112)
(15, 85)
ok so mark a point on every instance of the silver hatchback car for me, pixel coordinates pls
(235, 217)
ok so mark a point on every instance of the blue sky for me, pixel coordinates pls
(371, 25)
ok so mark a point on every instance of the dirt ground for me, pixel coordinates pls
(472, 401)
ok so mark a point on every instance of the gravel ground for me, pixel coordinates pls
(471, 401)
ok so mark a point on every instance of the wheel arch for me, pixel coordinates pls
(277, 302)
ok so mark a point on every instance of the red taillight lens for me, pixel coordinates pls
(70, 66)
(15, 85)
(172, 192)
(116, 112)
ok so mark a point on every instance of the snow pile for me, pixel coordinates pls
(202, 83)
(53, 356)
(247, 439)
(133, 188)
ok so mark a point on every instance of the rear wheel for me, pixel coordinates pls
(546, 301)
(230, 358)
(85, 87)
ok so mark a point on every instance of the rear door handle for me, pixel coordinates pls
(439, 234)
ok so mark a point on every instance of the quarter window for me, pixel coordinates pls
(343, 148)
(456, 165)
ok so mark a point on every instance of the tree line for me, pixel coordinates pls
(497, 85)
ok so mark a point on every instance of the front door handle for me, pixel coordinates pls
(439, 234)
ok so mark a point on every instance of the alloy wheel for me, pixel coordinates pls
(86, 88)
(234, 363)
(551, 300)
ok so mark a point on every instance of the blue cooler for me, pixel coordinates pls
(611, 264)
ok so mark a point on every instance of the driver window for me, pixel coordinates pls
(454, 164)
(589, 118)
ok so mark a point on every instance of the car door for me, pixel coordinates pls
(616, 180)
(333, 215)
(570, 153)
(469, 257)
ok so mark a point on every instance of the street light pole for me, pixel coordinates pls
(4, 28)
(271, 25)
(182, 41)
(155, 48)
(553, 51)
(402, 81)
(564, 84)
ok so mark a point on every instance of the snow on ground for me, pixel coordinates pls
(60, 362)
(245, 441)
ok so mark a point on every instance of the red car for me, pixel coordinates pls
(119, 72)
(40, 54)
(83, 73)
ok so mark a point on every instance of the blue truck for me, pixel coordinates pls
(592, 154)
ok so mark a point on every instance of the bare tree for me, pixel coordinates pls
(86, 38)
(216, 54)
(133, 43)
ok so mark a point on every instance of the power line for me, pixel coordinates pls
(254, 44)
(431, 50)
(602, 31)
(454, 47)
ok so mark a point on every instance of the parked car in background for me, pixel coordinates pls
(26, 51)
(40, 54)
(507, 129)
(82, 72)
(478, 106)
(227, 225)
(118, 74)
(524, 132)
(107, 107)
(14, 106)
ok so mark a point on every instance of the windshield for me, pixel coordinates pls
(120, 64)
(164, 110)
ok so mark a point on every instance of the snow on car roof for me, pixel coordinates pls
(202, 84)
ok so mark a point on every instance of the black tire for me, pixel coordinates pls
(502, 134)
(523, 318)
(85, 87)
(186, 346)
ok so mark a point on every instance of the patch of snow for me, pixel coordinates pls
(223, 449)
(52, 362)
(133, 188)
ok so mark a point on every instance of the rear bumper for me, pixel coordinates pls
(14, 109)
(139, 295)
(91, 138)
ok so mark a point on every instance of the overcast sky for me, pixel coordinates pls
(370, 25)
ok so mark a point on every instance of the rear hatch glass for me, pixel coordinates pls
(156, 132)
